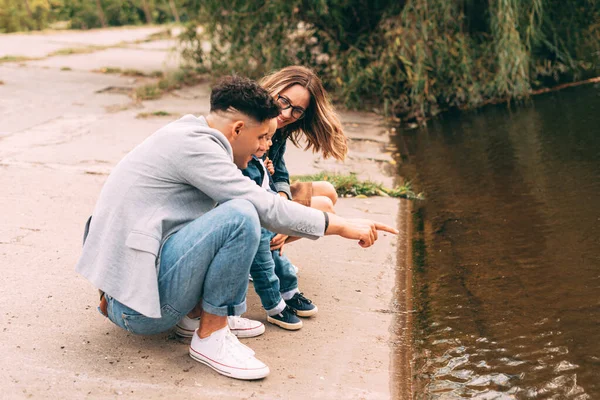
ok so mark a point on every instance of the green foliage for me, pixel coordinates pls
(412, 58)
(350, 186)
(25, 15)
(21, 15)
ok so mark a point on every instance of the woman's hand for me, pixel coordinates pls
(278, 241)
(269, 165)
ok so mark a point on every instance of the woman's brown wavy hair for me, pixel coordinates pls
(321, 126)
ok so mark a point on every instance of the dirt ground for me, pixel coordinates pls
(62, 129)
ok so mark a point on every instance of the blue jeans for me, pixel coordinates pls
(208, 260)
(272, 274)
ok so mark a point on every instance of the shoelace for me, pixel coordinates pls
(290, 310)
(299, 297)
(230, 342)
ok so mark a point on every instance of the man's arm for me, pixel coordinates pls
(204, 164)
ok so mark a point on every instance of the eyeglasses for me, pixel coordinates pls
(284, 102)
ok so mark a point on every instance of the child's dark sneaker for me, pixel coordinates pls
(303, 306)
(286, 319)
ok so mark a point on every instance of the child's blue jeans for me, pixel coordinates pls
(273, 275)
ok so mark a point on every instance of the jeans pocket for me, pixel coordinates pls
(142, 325)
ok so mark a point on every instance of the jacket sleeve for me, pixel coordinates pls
(205, 164)
(281, 177)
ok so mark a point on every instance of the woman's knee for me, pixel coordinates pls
(322, 203)
(323, 188)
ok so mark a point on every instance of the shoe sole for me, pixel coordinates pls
(307, 313)
(184, 333)
(231, 372)
(284, 325)
(241, 333)
(248, 332)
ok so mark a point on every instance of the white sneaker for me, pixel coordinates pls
(224, 353)
(244, 327)
(187, 326)
(240, 327)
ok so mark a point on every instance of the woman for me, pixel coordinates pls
(306, 112)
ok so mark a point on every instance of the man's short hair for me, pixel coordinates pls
(245, 96)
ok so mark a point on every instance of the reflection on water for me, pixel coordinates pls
(507, 251)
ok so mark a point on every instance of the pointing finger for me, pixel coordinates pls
(385, 228)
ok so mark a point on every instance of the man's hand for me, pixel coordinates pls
(269, 165)
(363, 230)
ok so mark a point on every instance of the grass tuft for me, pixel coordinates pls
(156, 74)
(350, 186)
(10, 58)
(148, 92)
(170, 82)
(133, 72)
(75, 50)
(130, 72)
(109, 70)
(159, 113)
(66, 69)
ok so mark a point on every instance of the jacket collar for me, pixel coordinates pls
(216, 134)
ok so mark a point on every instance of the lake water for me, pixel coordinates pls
(506, 250)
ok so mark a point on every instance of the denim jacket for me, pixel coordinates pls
(256, 172)
(281, 177)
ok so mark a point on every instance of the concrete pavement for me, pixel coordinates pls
(60, 135)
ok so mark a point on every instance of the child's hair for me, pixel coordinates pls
(245, 96)
(320, 125)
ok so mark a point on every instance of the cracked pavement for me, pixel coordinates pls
(60, 135)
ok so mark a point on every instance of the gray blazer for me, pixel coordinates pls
(176, 175)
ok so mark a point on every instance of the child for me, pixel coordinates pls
(274, 276)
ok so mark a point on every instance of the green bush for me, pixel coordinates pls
(21, 15)
(84, 14)
(412, 58)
